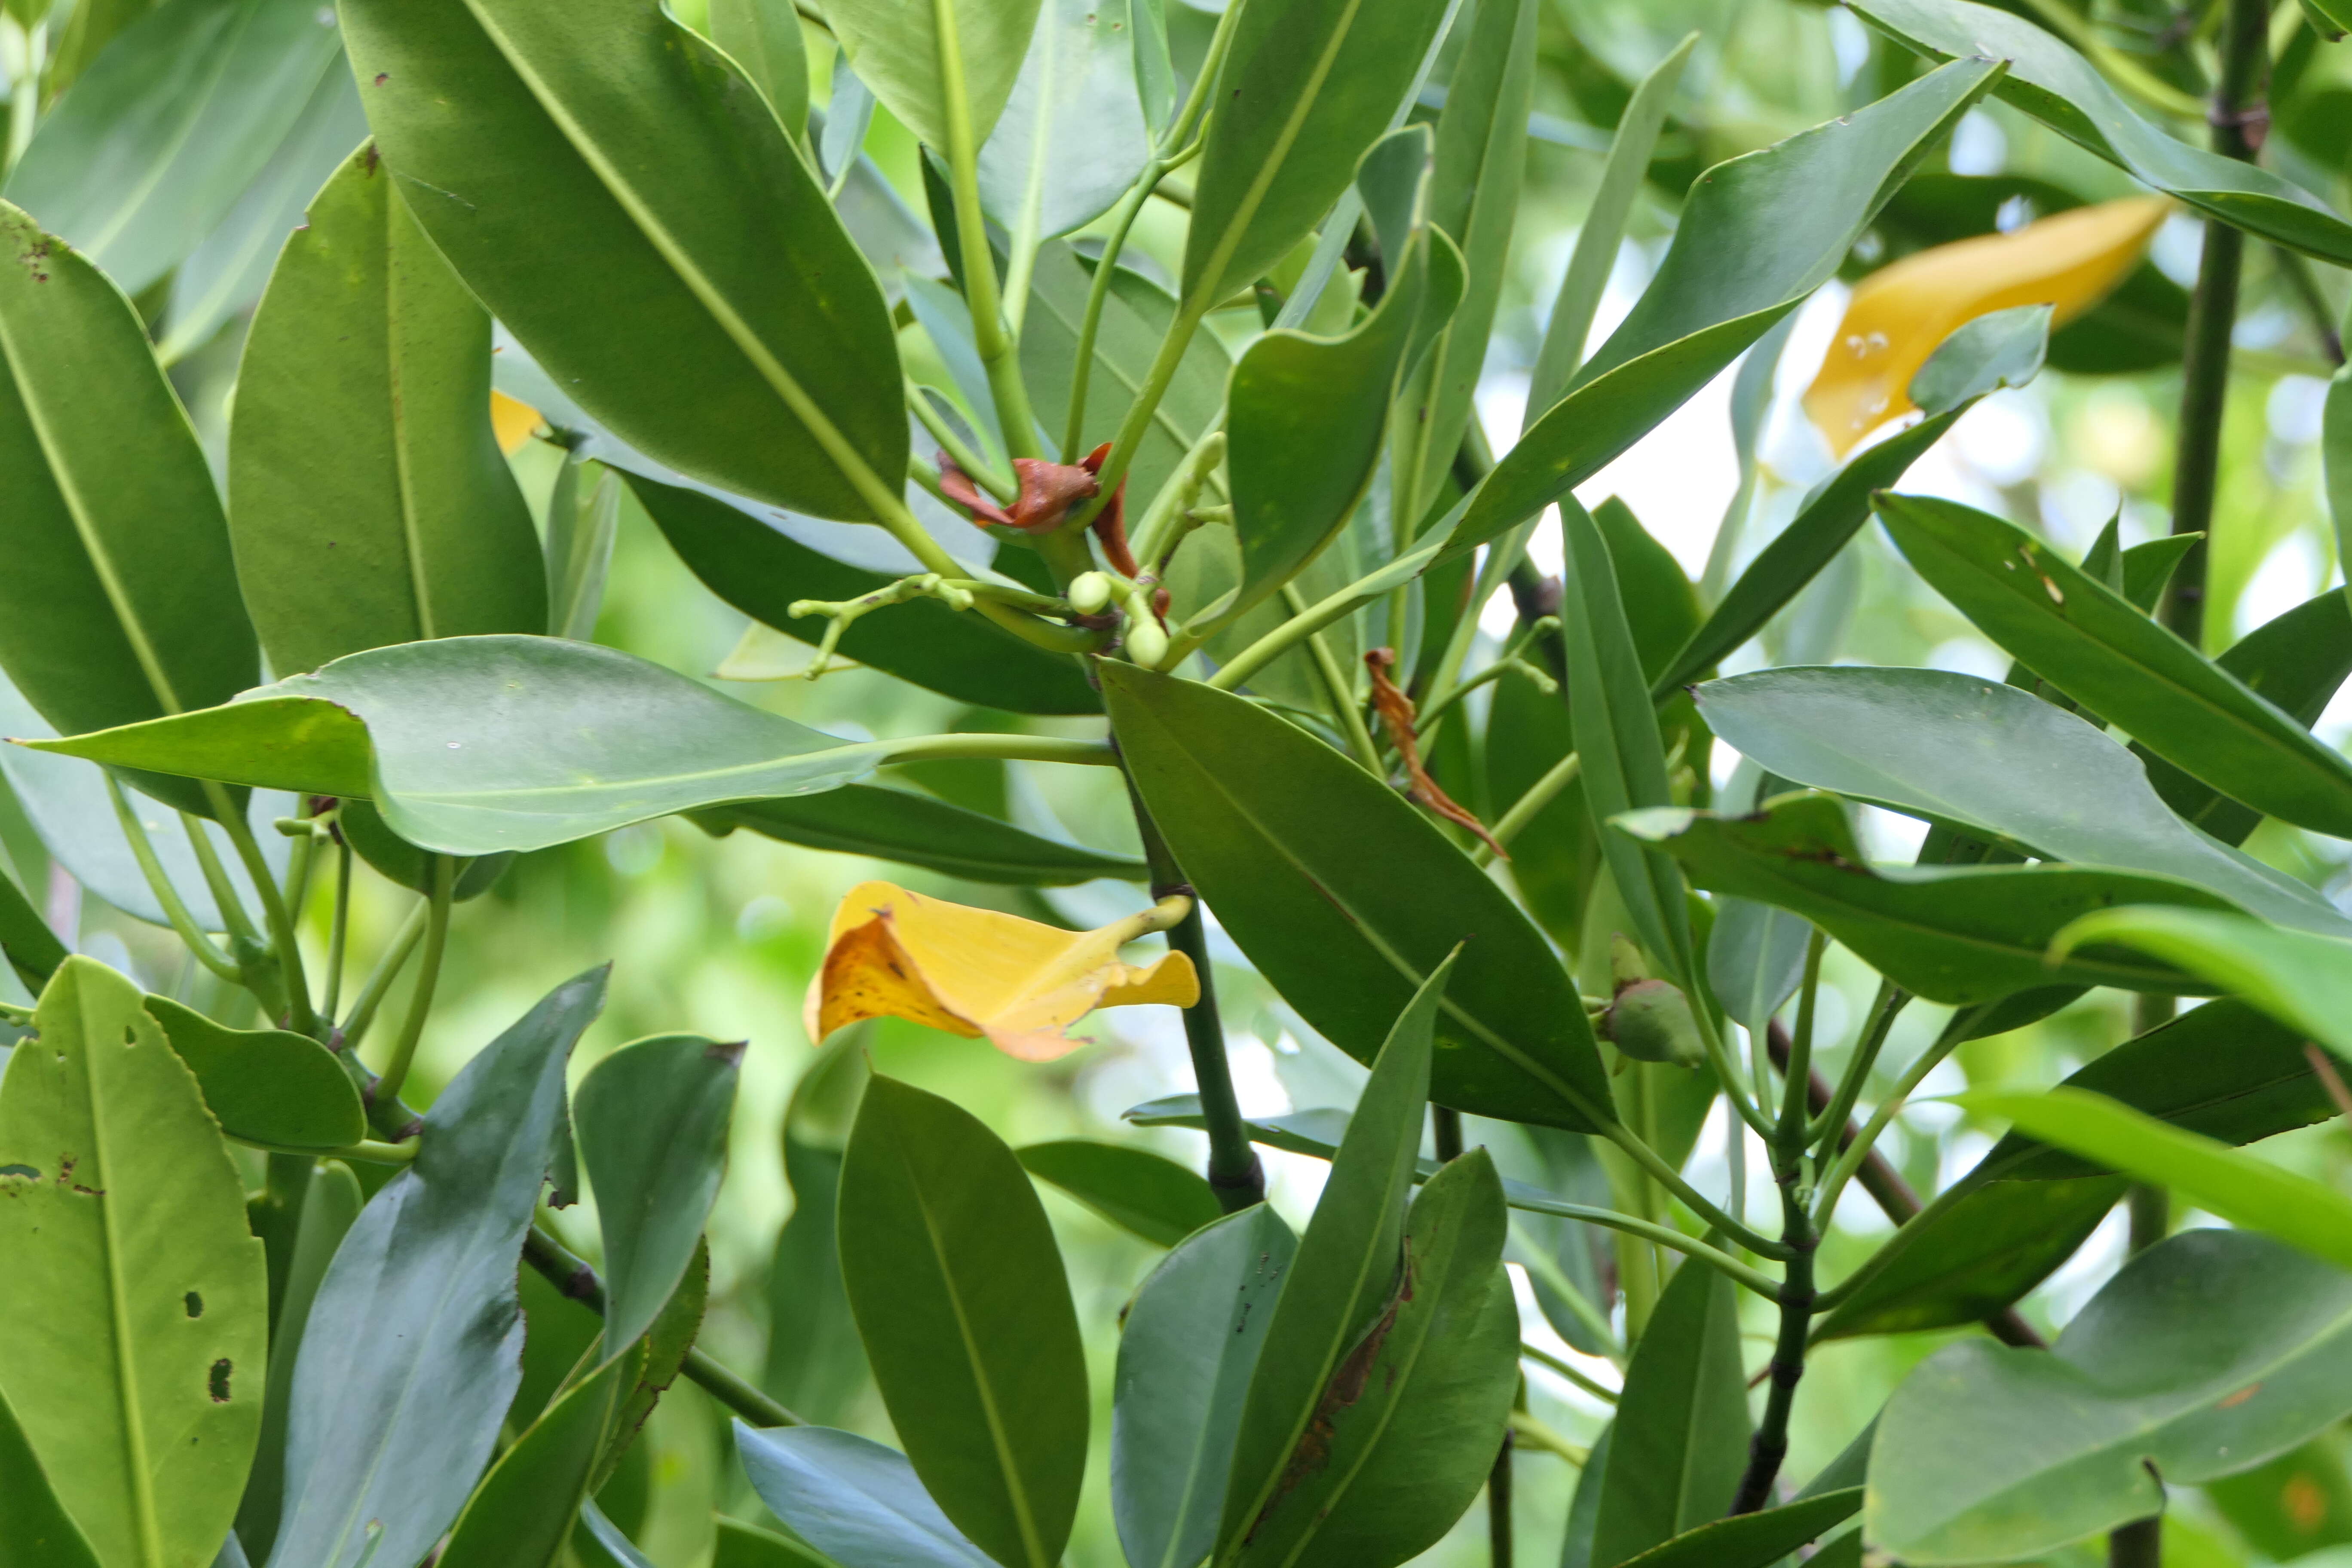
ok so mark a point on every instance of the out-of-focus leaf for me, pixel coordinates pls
(1346, 898)
(1305, 90)
(1346, 1272)
(848, 115)
(1898, 314)
(816, 1364)
(946, 70)
(32, 949)
(581, 531)
(2209, 1353)
(1958, 934)
(765, 37)
(1755, 958)
(960, 1299)
(134, 1307)
(368, 498)
(266, 1086)
(919, 830)
(1186, 1354)
(1072, 137)
(35, 1532)
(1754, 1540)
(2092, 643)
(1787, 215)
(415, 1341)
(120, 601)
(331, 1202)
(749, 1546)
(1680, 1440)
(1990, 761)
(164, 129)
(619, 197)
(2004, 349)
(1584, 1505)
(2292, 1507)
(854, 1500)
(89, 27)
(1133, 1188)
(522, 1514)
(2065, 91)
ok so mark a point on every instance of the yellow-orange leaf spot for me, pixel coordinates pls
(1902, 312)
(513, 419)
(976, 972)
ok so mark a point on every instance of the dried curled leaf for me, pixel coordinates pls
(1901, 312)
(975, 973)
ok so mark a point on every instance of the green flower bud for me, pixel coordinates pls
(1147, 645)
(1652, 1021)
(1090, 593)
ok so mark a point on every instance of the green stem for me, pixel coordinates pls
(1542, 1267)
(1141, 413)
(233, 919)
(368, 1152)
(444, 872)
(1955, 1031)
(1798, 1074)
(1321, 614)
(300, 1016)
(1545, 1359)
(1524, 810)
(1770, 1447)
(1000, 355)
(1339, 688)
(387, 968)
(1074, 422)
(1889, 1001)
(1666, 1177)
(1006, 748)
(338, 930)
(960, 452)
(175, 910)
(1670, 1238)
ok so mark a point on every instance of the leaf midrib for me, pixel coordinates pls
(412, 531)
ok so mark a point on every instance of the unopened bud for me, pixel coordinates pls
(1147, 644)
(1090, 593)
(1652, 1021)
(1625, 965)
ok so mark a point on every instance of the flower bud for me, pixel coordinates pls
(1147, 644)
(1090, 593)
(1651, 1021)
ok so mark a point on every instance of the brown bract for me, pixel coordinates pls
(1396, 713)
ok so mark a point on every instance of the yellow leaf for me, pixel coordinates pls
(513, 419)
(976, 972)
(1900, 312)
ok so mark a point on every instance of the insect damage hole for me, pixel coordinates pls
(194, 1304)
(217, 1381)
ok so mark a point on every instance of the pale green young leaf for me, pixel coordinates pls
(2304, 981)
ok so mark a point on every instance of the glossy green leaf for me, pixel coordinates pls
(35, 1532)
(475, 745)
(120, 600)
(2301, 981)
(368, 498)
(32, 949)
(2089, 642)
(414, 1343)
(522, 1514)
(2056, 86)
(2209, 1353)
(1679, 1444)
(1755, 958)
(762, 571)
(167, 127)
(1305, 90)
(1186, 1354)
(764, 38)
(920, 830)
(265, 1086)
(1413, 1416)
(1754, 1540)
(1135, 1189)
(854, 1500)
(1071, 139)
(1346, 1271)
(816, 1364)
(1958, 934)
(331, 1202)
(1309, 415)
(1348, 898)
(2003, 348)
(1991, 761)
(946, 69)
(959, 1297)
(133, 1312)
(652, 1121)
(1759, 234)
(616, 194)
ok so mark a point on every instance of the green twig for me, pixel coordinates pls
(300, 1016)
(387, 968)
(1955, 1031)
(443, 870)
(175, 910)
(1550, 1363)
(339, 929)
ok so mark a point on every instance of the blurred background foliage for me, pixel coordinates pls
(723, 936)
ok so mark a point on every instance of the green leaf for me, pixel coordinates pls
(611, 189)
(331, 1202)
(265, 1086)
(945, 69)
(133, 1312)
(762, 571)
(1755, 960)
(415, 1344)
(959, 1297)
(1410, 1421)
(1557, 854)
(2207, 1354)
(1305, 90)
(1991, 761)
(764, 38)
(1584, 1504)
(1956, 934)
(2091, 644)
(1679, 1444)
(748, 1546)
(919, 830)
(1347, 900)
(2056, 86)
(656, 1362)
(32, 949)
(853, 1500)
(1071, 139)
(477, 745)
(1186, 1355)
(1754, 1540)
(578, 540)
(2292, 1506)
(35, 1532)
(2298, 979)
(1345, 1273)
(369, 501)
(1759, 234)
(816, 1364)
(2003, 348)
(1309, 415)
(1135, 1189)
(652, 1120)
(522, 1515)
(120, 600)
(166, 128)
